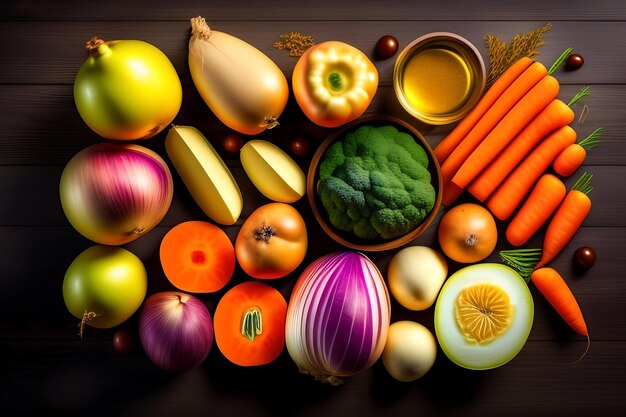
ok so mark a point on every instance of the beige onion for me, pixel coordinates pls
(410, 351)
(415, 276)
(243, 87)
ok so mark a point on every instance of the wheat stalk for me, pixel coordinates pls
(502, 55)
(295, 42)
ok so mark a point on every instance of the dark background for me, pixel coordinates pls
(46, 370)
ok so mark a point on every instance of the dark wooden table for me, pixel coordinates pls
(46, 370)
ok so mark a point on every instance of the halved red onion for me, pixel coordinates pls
(113, 193)
(176, 330)
(338, 317)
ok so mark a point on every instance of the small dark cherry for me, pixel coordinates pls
(299, 146)
(585, 257)
(574, 61)
(123, 341)
(386, 47)
(232, 143)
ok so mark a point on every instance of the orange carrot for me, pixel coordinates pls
(574, 155)
(512, 191)
(569, 160)
(490, 119)
(518, 89)
(540, 205)
(567, 220)
(557, 114)
(450, 193)
(552, 286)
(520, 115)
(450, 142)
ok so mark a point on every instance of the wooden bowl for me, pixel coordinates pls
(347, 238)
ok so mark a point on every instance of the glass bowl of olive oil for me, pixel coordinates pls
(439, 77)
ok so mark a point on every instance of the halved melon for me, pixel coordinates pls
(483, 316)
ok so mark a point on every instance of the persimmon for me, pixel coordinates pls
(272, 242)
(197, 256)
(468, 233)
(249, 324)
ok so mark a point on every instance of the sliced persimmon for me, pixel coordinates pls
(197, 256)
(249, 324)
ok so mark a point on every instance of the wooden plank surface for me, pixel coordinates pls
(329, 10)
(93, 378)
(60, 45)
(53, 133)
(44, 209)
(46, 370)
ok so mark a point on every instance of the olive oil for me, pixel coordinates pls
(437, 81)
(439, 77)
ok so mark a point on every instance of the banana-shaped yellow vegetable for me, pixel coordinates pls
(204, 173)
(243, 87)
(272, 171)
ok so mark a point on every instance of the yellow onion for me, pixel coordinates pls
(243, 87)
(113, 193)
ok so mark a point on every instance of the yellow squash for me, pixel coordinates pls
(205, 174)
(334, 83)
(272, 171)
(243, 87)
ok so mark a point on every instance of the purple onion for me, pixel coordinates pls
(338, 317)
(113, 193)
(176, 330)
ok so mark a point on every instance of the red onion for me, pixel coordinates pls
(176, 330)
(113, 193)
(338, 317)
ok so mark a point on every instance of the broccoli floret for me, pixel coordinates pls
(333, 158)
(375, 183)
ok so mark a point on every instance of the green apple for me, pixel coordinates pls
(108, 281)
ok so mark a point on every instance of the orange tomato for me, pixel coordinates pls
(197, 256)
(272, 242)
(249, 324)
(468, 233)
